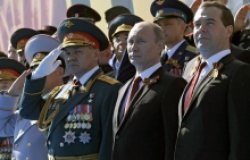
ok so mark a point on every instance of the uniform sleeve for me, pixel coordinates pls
(106, 119)
(31, 101)
(8, 115)
(239, 114)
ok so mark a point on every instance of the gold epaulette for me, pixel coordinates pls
(108, 79)
(191, 49)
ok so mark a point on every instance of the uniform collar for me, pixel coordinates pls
(171, 51)
(88, 74)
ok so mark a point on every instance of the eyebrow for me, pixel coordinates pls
(206, 19)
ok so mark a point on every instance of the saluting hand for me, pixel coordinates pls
(48, 65)
(240, 17)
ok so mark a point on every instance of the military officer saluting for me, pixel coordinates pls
(29, 142)
(78, 114)
(174, 18)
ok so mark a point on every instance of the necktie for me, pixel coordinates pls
(135, 87)
(192, 85)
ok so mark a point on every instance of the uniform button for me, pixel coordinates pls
(184, 131)
(61, 144)
(49, 142)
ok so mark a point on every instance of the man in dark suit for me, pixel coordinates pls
(145, 125)
(78, 114)
(214, 110)
(118, 33)
(174, 18)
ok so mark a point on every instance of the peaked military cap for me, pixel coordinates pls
(79, 32)
(115, 11)
(84, 11)
(10, 69)
(171, 8)
(20, 37)
(38, 47)
(122, 23)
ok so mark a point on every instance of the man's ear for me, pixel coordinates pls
(230, 30)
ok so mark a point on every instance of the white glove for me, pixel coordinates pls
(48, 65)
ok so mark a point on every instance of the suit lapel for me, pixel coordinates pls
(205, 81)
(120, 100)
(137, 98)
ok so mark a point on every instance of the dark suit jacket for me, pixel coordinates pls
(101, 97)
(148, 130)
(216, 125)
(126, 70)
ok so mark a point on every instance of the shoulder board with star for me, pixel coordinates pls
(191, 49)
(108, 79)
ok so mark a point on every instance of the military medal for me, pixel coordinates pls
(66, 126)
(80, 117)
(69, 137)
(79, 125)
(91, 97)
(85, 137)
(83, 125)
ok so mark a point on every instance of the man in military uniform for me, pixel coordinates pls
(118, 33)
(29, 142)
(92, 16)
(174, 18)
(78, 114)
(9, 70)
(18, 40)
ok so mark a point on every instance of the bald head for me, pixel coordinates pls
(151, 27)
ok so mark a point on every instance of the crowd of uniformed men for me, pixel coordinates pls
(176, 88)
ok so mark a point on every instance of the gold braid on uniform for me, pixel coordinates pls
(44, 123)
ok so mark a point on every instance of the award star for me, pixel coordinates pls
(85, 137)
(69, 137)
